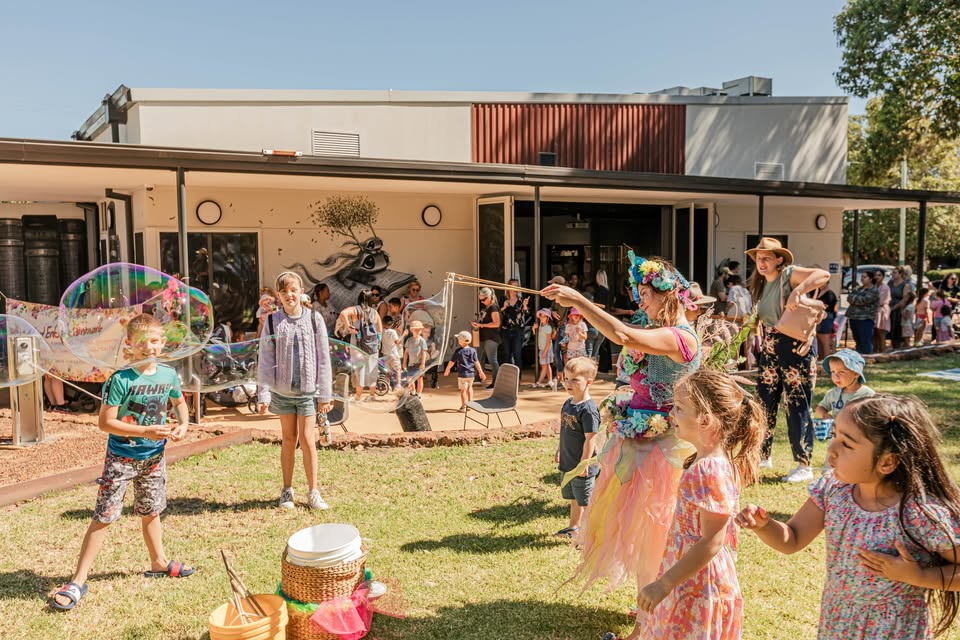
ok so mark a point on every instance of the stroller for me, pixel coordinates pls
(231, 375)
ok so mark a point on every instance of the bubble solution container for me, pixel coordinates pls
(823, 428)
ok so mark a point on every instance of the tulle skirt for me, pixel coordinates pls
(623, 532)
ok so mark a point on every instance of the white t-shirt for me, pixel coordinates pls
(391, 344)
(739, 302)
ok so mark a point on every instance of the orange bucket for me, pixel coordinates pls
(225, 624)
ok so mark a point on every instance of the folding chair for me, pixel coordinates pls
(504, 397)
(341, 402)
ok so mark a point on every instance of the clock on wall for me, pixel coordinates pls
(821, 222)
(431, 215)
(209, 212)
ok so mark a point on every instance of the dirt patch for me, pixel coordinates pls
(71, 442)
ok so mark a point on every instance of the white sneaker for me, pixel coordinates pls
(316, 502)
(766, 463)
(802, 473)
(553, 385)
(286, 498)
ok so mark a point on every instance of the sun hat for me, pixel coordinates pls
(545, 312)
(416, 324)
(574, 312)
(466, 336)
(850, 359)
(773, 245)
(558, 279)
(697, 297)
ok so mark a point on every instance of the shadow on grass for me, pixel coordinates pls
(521, 511)
(552, 479)
(478, 543)
(26, 583)
(517, 620)
(184, 507)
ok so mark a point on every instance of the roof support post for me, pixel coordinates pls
(921, 243)
(759, 216)
(536, 284)
(855, 257)
(182, 226)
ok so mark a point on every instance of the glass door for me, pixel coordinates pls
(495, 258)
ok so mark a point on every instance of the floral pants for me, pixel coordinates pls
(784, 372)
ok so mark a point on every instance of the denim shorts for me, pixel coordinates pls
(300, 405)
(578, 489)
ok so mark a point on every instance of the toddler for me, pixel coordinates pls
(390, 346)
(465, 359)
(579, 425)
(544, 332)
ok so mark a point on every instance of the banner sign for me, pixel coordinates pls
(100, 322)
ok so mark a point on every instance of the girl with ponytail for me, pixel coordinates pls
(697, 594)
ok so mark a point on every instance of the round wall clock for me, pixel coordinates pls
(209, 212)
(431, 215)
(821, 222)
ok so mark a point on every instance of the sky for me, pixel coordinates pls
(58, 58)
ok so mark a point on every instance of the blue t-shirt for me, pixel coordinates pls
(575, 421)
(142, 399)
(465, 360)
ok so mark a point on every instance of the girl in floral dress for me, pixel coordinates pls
(697, 595)
(891, 514)
(623, 531)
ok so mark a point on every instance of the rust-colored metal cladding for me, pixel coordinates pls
(605, 137)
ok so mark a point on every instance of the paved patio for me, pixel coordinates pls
(533, 405)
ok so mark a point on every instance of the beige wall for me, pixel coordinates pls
(59, 209)
(810, 140)
(286, 235)
(410, 132)
(809, 245)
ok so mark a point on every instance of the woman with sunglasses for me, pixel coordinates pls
(378, 302)
(950, 290)
(413, 296)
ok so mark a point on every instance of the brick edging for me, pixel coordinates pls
(341, 441)
(912, 353)
(30, 489)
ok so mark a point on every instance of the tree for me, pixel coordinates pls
(908, 52)
(933, 163)
(338, 215)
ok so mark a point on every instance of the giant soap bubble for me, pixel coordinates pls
(384, 382)
(24, 354)
(96, 307)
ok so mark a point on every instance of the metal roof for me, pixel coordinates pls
(119, 156)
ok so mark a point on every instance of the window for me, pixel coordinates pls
(223, 265)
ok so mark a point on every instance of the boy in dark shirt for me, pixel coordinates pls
(465, 359)
(579, 425)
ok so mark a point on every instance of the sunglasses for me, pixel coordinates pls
(414, 290)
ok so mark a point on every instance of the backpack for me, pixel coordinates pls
(367, 339)
(313, 320)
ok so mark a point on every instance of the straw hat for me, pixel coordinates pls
(773, 245)
(697, 297)
(416, 324)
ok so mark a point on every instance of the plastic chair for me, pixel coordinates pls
(504, 397)
(341, 402)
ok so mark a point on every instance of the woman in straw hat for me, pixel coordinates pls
(624, 530)
(782, 369)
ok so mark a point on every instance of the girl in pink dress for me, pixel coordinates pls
(891, 514)
(697, 595)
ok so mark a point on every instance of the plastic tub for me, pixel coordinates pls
(823, 428)
(222, 622)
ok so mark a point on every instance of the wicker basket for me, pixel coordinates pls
(299, 627)
(319, 584)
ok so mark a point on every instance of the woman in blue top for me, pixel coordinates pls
(783, 370)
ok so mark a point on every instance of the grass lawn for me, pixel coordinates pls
(467, 533)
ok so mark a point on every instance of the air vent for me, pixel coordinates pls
(334, 143)
(547, 159)
(768, 170)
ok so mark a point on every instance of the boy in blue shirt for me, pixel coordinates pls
(134, 413)
(579, 425)
(465, 359)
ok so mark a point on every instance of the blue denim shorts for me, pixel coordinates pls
(578, 489)
(300, 405)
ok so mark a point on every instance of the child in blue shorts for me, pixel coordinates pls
(134, 413)
(579, 425)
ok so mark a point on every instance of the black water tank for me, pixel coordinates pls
(41, 251)
(13, 282)
(72, 250)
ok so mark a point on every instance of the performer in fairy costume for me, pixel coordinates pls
(624, 529)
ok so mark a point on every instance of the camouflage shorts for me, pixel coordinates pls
(149, 486)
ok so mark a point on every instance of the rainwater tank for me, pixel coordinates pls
(72, 243)
(41, 251)
(13, 281)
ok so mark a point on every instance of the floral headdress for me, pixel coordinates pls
(659, 276)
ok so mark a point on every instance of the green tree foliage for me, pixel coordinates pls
(907, 51)
(340, 215)
(932, 163)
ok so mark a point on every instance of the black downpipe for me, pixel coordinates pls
(128, 220)
(91, 219)
(921, 243)
(759, 217)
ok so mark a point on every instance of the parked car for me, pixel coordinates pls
(861, 268)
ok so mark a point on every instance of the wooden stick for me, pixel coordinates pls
(239, 589)
(478, 282)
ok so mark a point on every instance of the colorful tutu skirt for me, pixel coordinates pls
(623, 533)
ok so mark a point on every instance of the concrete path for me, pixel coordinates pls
(533, 405)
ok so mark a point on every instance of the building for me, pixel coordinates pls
(488, 184)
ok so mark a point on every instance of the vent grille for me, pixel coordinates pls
(768, 170)
(547, 159)
(334, 143)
